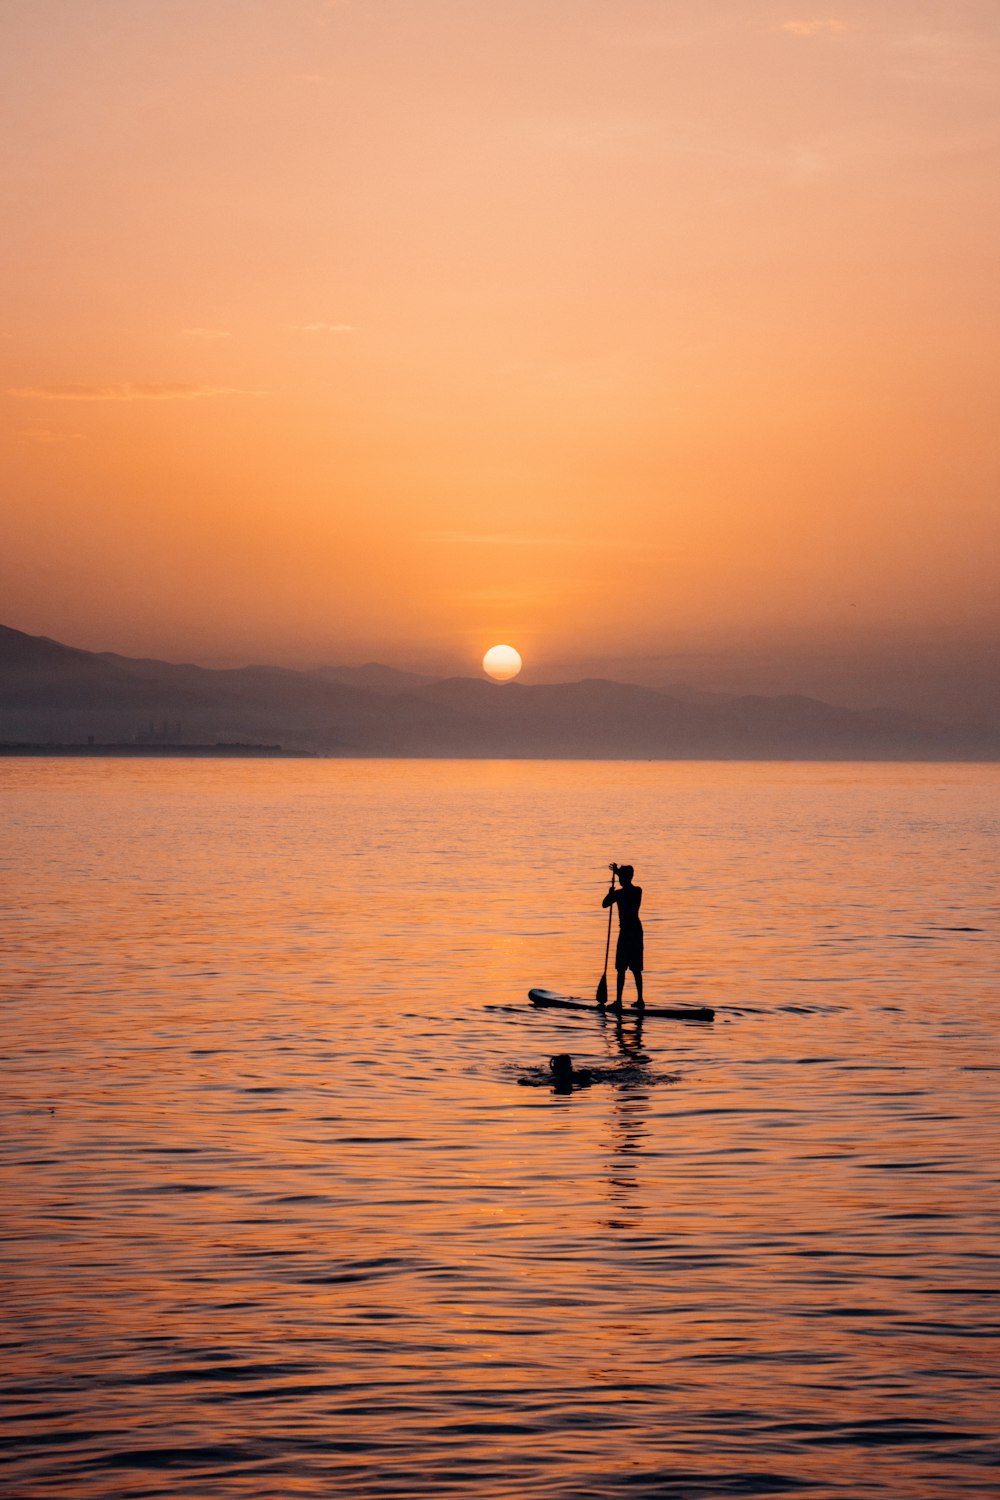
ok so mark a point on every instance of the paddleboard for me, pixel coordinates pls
(550, 1000)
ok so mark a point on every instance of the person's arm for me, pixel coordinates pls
(611, 898)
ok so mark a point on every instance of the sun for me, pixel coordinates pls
(502, 663)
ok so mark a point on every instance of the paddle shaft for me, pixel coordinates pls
(607, 945)
(602, 988)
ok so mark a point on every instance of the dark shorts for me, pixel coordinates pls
(628, 954)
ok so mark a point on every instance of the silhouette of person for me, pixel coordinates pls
(628, 953)
(565, 1077)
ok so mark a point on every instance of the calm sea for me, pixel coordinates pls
(283, 1219)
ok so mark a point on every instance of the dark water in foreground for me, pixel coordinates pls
(282, 1222)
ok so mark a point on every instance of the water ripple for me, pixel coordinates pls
(282, 1222)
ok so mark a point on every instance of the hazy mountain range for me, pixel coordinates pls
(51, 693)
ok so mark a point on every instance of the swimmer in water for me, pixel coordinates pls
(628, 954)
(565, 1077)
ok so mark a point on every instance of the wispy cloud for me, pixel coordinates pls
(963, 56)
(682, 140)
(611, 135)
(497, 539)
(125, 392)
(323, 327)
(48, 437)
(811, 28)
(518, 539)
(206, 333)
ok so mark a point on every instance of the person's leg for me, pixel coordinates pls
(619, 986)
(637, 975)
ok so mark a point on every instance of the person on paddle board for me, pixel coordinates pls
(628, 954)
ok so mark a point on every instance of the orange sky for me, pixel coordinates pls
(394, 328)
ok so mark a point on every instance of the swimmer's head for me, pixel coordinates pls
(561, 1066)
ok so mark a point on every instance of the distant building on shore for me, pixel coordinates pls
(162, 734)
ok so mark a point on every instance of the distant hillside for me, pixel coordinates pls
(375, 677)
(50, 693)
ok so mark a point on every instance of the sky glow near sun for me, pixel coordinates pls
(699, 300)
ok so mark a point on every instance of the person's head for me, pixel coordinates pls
(625, 873)
(561, 1066)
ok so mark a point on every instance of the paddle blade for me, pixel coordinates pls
(602, 990)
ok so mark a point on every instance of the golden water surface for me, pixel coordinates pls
(282, 1219)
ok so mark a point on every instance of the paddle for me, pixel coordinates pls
(602, 988)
